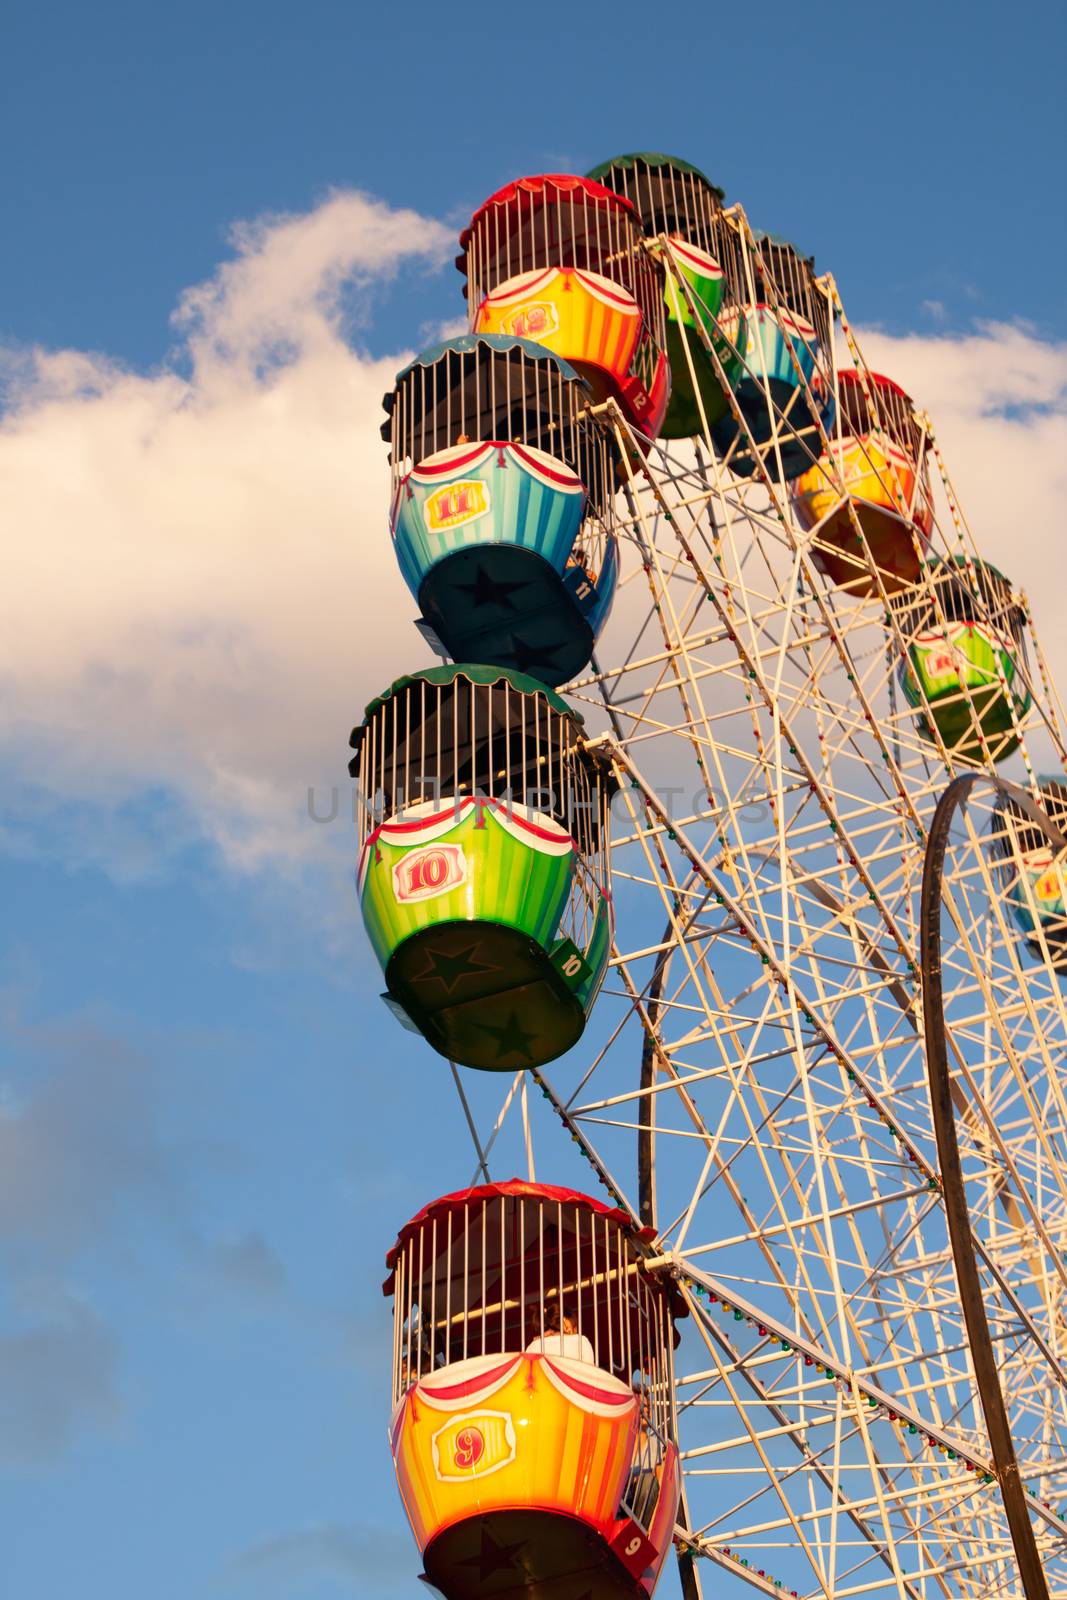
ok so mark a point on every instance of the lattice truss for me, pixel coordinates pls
(753, 1081)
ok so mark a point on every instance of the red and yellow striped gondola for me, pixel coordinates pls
(559, 260)
(875, 469)
(533, 1429)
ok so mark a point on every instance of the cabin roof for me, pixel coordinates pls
(562, 183)
(442, 374)
(654, 158)
(520, 681)
(850, 375)
(470, 343)
(520, 1189)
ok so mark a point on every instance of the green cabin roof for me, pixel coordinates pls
(763, 236)
(653, 158)
(470, 343)
(960, 563)
(519, 681)
(443, 374)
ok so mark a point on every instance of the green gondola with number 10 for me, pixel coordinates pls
(483, 874)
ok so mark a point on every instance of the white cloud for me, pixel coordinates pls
(205, 592)
(998, 399)
(279, 298)
(200, 588)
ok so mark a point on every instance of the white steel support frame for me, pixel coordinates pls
(758, 1045)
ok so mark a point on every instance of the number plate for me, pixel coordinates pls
(571, 965)
(633, 1548)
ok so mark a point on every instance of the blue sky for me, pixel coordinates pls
(209, 1128)
(914, 149)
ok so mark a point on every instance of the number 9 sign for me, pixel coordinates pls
(470, 1447)
(634, 1548)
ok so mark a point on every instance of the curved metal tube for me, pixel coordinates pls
(1001, 1447)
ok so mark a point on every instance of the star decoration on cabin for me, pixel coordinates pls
(449, 969)
(534, 655)
(492, 1557)
(489, 591)
(511, 1038)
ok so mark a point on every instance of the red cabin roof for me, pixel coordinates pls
(549, 186)
(561, 183)
(893, 405)
(441, 1266)
(849, 375)
(519, 1189)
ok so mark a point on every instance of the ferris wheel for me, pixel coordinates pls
(678, 905)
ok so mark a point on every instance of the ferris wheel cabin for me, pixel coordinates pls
(676, 201)
(502, 511)
(779, 330)
(1034, 873)
(874, 471)
(964, 651)
(483, 869)
(533, 1425)
(560, 260)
